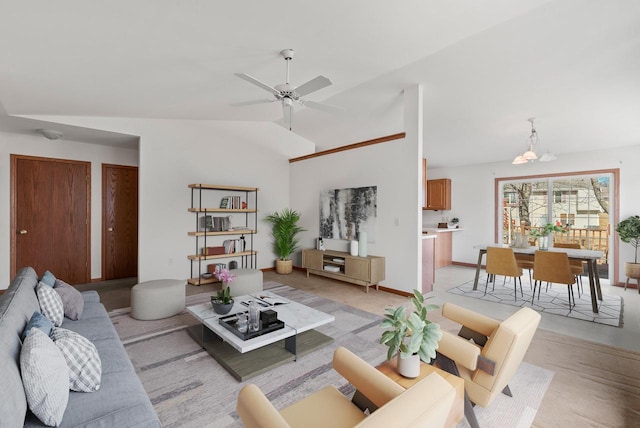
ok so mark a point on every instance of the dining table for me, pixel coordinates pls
(591, 258)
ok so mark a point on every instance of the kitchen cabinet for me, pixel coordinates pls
(438, 194)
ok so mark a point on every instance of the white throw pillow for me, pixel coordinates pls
(83, 361)
(45, 377)
(50, 304)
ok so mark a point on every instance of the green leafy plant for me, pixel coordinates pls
(284, 231)
(413, 333)
(224, 296)
(629, 231)
(547, 230)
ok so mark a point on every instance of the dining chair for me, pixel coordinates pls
(577, 266)
(553, 267)
(502, 261)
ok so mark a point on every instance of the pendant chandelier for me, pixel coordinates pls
(530, 154)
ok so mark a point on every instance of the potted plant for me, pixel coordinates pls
(284, 231)
(412, 337)
(223, 302)
(629, 231)
(542, 233)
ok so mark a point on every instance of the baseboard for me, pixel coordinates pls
(394, 291)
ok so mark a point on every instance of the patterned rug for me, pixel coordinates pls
(189, 389)
(555, 300)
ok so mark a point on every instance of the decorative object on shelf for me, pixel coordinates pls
(409, 335)
(320, 244)
(362, 244)
(544, 233)
(284, 231)
(354, 248)
(345, 212)
(629, 232)
(530, 155)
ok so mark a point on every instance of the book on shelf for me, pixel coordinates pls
(330, 268)
(233, 203)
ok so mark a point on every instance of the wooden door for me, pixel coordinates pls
(50, 217)
(119, 221)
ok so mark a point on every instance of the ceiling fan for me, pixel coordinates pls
(288, 94)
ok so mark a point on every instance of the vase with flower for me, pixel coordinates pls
(222, 302)
(543, 234)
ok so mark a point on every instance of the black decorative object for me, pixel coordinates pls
(221, 308)
(230, 323)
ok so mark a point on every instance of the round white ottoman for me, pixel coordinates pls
(160, 298)
(246, 281)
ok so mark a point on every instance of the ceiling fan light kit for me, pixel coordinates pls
(288, 95)
(530, 154)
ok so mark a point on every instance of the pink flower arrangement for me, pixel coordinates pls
(225, 276)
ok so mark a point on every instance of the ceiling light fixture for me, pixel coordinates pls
(530, 155)
(51, 134)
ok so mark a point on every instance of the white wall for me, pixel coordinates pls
(36, 145)
(390, 167)
(472, 194)
(176, 153)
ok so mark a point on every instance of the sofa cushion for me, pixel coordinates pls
(83, 361)
(49, 279)
(72, 300)
(17, 304)
(45, 377)
(38, 321)
(50, 304)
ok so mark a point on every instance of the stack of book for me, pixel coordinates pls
(232, 203)
(234, 245)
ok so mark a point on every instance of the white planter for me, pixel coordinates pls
(409, 367)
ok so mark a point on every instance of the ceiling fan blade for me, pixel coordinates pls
(313, 85)
(324, 107)
(287, 109)
(256, 82)
(252, 102)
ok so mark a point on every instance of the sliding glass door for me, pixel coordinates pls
(581, 204)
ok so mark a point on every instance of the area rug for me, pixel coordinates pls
(189, 389)
(552, 301)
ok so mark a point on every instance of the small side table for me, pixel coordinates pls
(388, 368)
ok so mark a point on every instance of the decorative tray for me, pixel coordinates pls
(230, 323)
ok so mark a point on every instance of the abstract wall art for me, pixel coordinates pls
(344, 213)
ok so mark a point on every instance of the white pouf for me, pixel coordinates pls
(246, 281)
(160, 298)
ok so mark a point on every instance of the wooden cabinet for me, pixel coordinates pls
(444, 249)
(365, 271)
(438, 194)
(240, 207)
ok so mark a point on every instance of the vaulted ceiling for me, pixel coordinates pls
(486, 67)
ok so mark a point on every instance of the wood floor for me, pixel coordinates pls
(115, 294)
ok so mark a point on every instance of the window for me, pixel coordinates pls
(581, 203)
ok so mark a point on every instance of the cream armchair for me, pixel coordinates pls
(426, 404)
(487, 363)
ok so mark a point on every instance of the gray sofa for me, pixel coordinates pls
(121, 400)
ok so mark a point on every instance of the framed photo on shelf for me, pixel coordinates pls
(224, 202)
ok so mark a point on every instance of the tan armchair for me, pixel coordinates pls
(426, 404)
(487, 363)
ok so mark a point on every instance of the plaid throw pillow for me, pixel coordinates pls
(83, 361)
(50, 304)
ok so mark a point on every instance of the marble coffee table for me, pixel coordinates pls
(248, 358)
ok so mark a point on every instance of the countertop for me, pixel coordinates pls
(438, 230)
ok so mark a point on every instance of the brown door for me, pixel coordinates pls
(119, 221)
(50, 215)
